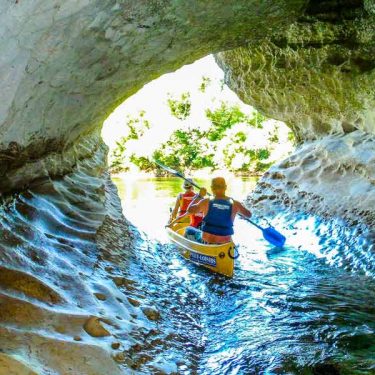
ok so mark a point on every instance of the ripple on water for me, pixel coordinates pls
(305, 309)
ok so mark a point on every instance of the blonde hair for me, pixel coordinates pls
(218, 183)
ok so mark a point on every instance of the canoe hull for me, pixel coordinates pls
(214, 257)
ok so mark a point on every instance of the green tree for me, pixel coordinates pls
(117, 157)
(227, 143)
(256, 120)
(180, 108)
(204, 84)
(136, 127)
(225, 116)
(185, 150)
(222, 119)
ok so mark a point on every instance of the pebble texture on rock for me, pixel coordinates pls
(317, 75)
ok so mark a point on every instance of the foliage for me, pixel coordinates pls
(143, 163)
(257, 120)
(205, 82)
(136, 127)
(231, 141)
(224, 117)
(274, 135)
(180, 108)
(292, 138)
(185, 150)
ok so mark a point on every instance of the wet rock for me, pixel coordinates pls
(100, 296)
(124, 282)
(151, 313)
(93, 326)
(331, 193)
(120, 357)
(134, 302)
(11, 365)
(115, 345)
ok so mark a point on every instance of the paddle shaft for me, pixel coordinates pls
(178, 174)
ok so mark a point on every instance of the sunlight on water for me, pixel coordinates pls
(147, 201)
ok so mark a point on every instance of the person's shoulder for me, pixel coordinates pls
(204, 201)
(234, 201)
(237, 204)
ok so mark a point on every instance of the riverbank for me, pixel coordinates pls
(202, 173)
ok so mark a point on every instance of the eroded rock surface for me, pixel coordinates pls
(317, 75)
(67, 304)
(333, 181)
(65, 65)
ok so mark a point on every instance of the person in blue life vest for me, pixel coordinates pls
(219, 213)
(182, 202)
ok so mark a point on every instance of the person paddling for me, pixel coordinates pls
(219, 214)
(182, 202)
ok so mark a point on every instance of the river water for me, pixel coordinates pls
(288, 311)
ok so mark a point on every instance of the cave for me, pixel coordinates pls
(67, 298)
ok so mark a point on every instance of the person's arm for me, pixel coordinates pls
(242, 210)
(198, 204)
(176, 208)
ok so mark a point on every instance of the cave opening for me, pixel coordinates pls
(192, 122)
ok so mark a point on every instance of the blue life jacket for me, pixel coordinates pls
(218, 220)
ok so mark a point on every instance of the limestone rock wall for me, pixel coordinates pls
(65, 65)
(333, 181)
(317, 75)
(51, 314)
(69, 302)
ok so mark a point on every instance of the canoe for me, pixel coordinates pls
(217, 258)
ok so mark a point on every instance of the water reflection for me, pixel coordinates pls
(147, 201)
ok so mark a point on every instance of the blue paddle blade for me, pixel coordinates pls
(274, 237)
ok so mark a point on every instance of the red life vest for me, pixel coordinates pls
(185, 200)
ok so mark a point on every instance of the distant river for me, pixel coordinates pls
(147, 201)
(284, 312)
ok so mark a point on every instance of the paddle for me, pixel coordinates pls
(270, 234)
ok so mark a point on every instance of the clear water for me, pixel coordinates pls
(288, 311)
